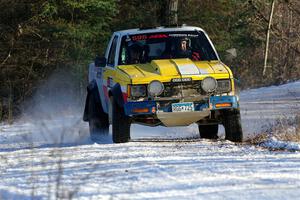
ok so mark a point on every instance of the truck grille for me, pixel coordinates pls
(193, 88)
(182, 89)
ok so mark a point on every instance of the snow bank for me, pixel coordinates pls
(261, 107)
(275, 144)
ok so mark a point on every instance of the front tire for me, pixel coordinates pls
(98, 120)
(232, 125)
(120, 124)
(209, 131)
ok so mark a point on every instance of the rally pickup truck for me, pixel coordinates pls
(168, 76)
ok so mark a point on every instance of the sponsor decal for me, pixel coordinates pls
(139, 37)
(182, 35)
(125, 97)
(105, 91)
(145, 37)
(158, 36)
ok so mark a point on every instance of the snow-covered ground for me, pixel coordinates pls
(156, 164)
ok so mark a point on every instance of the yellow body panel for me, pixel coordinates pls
(118, 76)
(109, 72)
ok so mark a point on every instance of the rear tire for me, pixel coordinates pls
(232, 125)
(98, 120)
(120, 124)
(209, 131)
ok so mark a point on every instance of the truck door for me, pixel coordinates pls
(108, 77)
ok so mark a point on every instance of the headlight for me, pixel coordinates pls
(224, 86)
(209, 84)
(138, 90)
(155, 88)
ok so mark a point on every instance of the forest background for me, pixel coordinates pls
(38, 37)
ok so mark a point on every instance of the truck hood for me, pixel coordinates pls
(165, 70)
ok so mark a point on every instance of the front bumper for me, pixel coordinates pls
(154, 107)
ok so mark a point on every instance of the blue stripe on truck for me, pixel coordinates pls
(213, 100)
(129, 106)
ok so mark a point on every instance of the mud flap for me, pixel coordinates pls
(86, 109)
(92, 92)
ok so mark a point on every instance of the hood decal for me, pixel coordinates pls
(187, 67)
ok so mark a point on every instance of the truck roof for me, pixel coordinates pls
(158, 29)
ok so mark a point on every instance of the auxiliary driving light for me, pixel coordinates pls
(209, 84)
(155, 88)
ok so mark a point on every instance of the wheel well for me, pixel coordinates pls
(117, 94)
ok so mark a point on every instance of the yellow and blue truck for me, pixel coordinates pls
(168, 76)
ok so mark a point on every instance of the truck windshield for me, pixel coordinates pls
(143, 48)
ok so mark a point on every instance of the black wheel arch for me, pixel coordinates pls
(117, 94)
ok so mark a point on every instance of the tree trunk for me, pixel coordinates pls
(173, 12)
(268, 37)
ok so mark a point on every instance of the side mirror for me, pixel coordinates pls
(231, 53)
(100, 61)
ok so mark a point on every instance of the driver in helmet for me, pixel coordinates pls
(184, 50)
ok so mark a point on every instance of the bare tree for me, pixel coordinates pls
(173, 12)
(268, 36)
